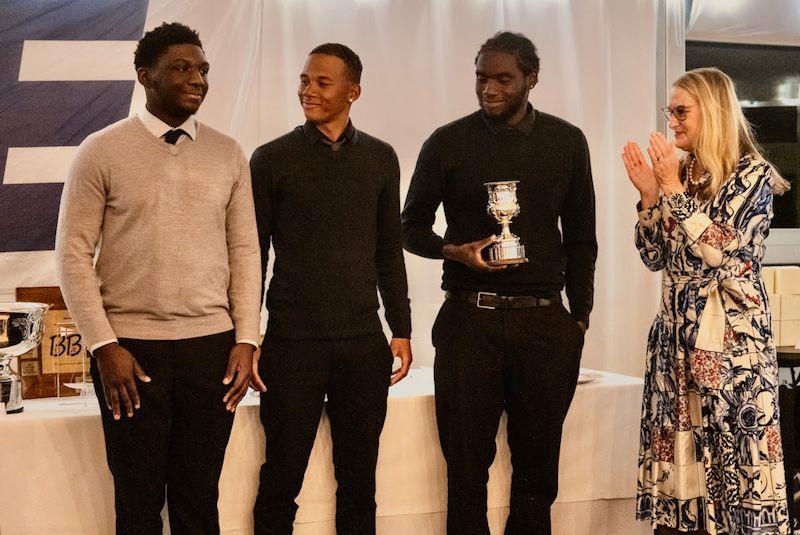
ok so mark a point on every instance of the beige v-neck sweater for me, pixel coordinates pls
(175, 235)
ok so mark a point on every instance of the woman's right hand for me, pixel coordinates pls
(640, 174)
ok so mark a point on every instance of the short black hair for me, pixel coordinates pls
(516, 44)
(351, 60)
(157, 40)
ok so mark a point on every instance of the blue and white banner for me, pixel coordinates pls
(54, 91)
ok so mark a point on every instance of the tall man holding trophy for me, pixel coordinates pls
(327, 199)
(524, 352)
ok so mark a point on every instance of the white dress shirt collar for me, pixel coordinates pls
(158, 128)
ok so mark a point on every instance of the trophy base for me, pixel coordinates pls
(11, 394)
(507, 262)
(506, 253)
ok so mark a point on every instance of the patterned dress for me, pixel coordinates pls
(710, 455)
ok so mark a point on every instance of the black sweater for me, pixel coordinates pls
(550, 158)
(334, 220)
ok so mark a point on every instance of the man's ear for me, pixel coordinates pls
(532, 79)
(355, 92)
(143, 75)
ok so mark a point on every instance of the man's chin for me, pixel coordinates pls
(189, 108)
(314, 116)
(495, 113)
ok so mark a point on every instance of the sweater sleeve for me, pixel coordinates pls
(580, 242)
(389, 262)
(263, 197)
(424, 197)
(244, 259)
(653, 247)
(80, 221)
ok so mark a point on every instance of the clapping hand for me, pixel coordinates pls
(664, 175)
(640, 174)
(666, 166)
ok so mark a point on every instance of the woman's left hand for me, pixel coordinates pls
(666, 167)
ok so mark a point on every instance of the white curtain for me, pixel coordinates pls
(776, 22)
(598, 71)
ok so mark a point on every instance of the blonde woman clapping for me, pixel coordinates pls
(710, 458)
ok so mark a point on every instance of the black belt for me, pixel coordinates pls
(492, 300)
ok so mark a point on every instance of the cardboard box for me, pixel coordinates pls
(768, 274)
(787, 280)
(775, 306)
(790, 307)
(790, 332)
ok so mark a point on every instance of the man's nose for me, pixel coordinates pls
(196, 77)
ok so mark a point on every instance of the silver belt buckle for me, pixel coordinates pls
(478, 301)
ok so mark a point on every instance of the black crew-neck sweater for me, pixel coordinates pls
(551, 162)
(333, 218)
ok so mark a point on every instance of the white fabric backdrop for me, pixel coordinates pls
(776, 22)
(598, 71)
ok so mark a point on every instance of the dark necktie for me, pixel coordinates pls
(335, 146)
(172, 136)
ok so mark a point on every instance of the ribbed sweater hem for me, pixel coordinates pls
(129, 325)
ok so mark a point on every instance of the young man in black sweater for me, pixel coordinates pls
(328, 197)
(524, 352)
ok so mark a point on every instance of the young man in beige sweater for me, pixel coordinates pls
(170, 308)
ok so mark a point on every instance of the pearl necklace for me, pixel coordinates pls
(690, 172)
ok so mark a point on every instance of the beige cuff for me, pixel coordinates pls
(695, 225)
(651, 216)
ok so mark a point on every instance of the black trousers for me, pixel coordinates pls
(354, 373)
(176, 441)
(525, 362)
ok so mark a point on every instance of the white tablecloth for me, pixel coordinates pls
(54, 478)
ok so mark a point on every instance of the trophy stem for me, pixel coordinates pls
(505, 233)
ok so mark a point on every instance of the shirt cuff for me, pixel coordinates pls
(695, 225)
(98, 345)
(251, 342)
(651, 216)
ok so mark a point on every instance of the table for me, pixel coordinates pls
(54, 478)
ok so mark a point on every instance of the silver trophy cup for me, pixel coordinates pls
(21, 328)
(503, 206)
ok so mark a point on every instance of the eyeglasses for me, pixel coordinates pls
(678, 111)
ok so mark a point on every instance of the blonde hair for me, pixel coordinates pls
(724, 136)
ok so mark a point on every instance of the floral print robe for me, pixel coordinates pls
(710, 454)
